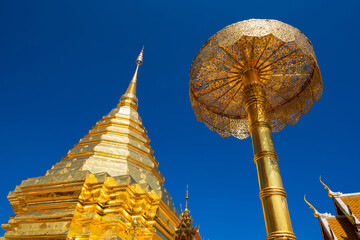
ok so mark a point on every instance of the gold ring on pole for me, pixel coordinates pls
(259, 124)
(264, 154)
(281, 235)
(269, 191)
(254, 99)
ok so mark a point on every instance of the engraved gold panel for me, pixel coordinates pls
(106, 210)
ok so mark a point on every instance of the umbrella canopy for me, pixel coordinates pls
(286, 64)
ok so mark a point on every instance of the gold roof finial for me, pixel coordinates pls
(330, 193)
(316, 213)
(185, 230)
(139, 59)
(129, 98)
(187, 196)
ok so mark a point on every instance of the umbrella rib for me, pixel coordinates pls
(262, 53)
(295, 95)
(272, 54)
(264, 71)
(277, 92)
(271, 70)
(264, 75)
(218, 71)
(217, 88)
(287, 55)
(231, 98)
(232, 57)
(311, 90)
(288, 74)
(234, 66)
(215, 80)
(252, 51)
(243, 55)
(222, 95)
(297, 63)
(218, 79)
(264, 79)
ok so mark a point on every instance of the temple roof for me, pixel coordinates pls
(341, 227)
(346, 224)
(349, 205)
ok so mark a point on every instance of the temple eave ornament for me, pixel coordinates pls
(330, 193)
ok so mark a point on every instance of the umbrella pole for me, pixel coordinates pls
(272, 193)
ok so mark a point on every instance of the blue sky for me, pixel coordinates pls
(65, 64)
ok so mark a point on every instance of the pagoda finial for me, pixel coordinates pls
(330, 193)
(316, 213)
(185, 230)
(187, 196)
(129, 98)
(139, 59)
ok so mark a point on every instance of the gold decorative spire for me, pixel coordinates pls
(129, 98)
(316, 213)
(330, 193)
(185, 230)
(187, 196)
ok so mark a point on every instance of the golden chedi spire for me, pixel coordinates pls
(129, 98)
(118, 143)
(112, 165)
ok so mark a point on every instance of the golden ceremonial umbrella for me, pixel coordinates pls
(251, 78)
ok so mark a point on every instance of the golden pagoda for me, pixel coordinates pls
(346, 224)
(107, 186)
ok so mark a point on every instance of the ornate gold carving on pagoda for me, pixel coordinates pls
(109, 178)
(253, 78)
(134, 229)
(185, 230)
(106, 209)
